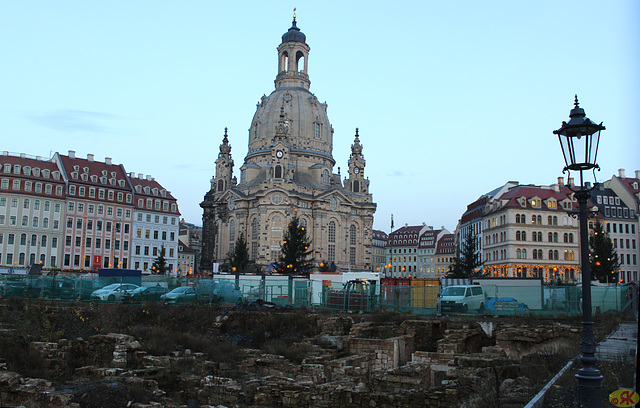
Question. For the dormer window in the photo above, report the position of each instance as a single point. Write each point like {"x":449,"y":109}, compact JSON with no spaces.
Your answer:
{"x":36,"y":172}
{"x":634,"y":185}
{"x":146,"y":190}
{"x":113,"y":174}
{"x":112,"y":181}
{"x":121,"y":183}
{"x":7,"y":168}
{"x":94,"y":178}
{"x":103,"y":180}
{"x":27,"y":171}
{"x":85,"y":177}
{"x":76,"y":168}
{"x":138,"y":189}
{"x":56,"y":175}
{"x":155,"y":191}
{"x":85,"y":169}
{"x":104,"y":173}
{"x":45,"y":173}
{"x":74,"y":175}
{"x":16,"y":169}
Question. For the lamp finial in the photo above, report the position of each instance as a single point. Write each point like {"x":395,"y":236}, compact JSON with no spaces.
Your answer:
{"x":575,"y":102}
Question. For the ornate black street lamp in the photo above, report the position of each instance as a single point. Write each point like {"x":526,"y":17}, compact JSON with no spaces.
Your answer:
{"x":579,"y":139}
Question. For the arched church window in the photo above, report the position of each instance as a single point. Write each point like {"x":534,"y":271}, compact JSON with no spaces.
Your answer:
{"x":276,"y":237}
{"x":299,"y":61}
{"x":303,"y":222}
{"x":325,"y":176}
{"x":332,"y":231}
{"x":317,"y":127}
{"x":352,"y":235}
{"x":220,"y":185}
{"x":232,"y":234}
{"x":254,"y":229}
{"x":356,"y":186}
{"x":278,"y":172}
{"x":284,"y":61}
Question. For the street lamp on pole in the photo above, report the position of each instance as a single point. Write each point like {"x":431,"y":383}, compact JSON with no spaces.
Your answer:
{"x":579,"y":140}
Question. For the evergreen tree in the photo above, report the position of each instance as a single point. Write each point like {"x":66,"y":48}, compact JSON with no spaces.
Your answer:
{"x":603,"y":258}
{"x":466,"y":262}
{"x":160,"y":263}
{"x":239,"y":255}
{"x":295,"y":250}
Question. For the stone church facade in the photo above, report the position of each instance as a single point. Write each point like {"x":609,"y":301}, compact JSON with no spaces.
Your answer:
{"x":289,"y":171}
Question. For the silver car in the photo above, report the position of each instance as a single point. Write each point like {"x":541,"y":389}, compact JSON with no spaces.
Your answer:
{"x":113,"y":292}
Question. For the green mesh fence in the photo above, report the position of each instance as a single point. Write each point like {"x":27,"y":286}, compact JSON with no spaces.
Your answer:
{"x":353,"y":296}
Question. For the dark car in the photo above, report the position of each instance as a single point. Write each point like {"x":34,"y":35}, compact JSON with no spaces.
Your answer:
{"x":13,"y":288}
{"x":28,"y":287}
{"x":85,"y":287}
{"x":144,"y":294}
{"x":51,"y":287}
{"x":181,"y":295}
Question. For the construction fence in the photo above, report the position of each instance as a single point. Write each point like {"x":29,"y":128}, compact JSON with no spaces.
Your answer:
{"x":417,"y":297}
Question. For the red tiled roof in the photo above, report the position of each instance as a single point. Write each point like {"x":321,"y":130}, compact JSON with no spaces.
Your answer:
{"x":446,"y":244}
{"x":35,"y":165}
{"x":428,"y":239}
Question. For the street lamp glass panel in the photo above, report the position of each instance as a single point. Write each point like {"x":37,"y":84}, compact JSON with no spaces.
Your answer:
{"x":579,"y":139}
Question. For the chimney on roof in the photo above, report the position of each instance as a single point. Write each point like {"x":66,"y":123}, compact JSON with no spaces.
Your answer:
{"x":38,"y":158}
{"x":148,"y":177}
{"x":570,"y":182}
{"x":5,"y":153}
{"x":638,"y":174}
{"x":72,"y":154}
{"x":561,"y":181}
{"x":621,"y":173}
{"x":23,"y":155}
{"x":107,"y":161}
{"x":90,"y":157}
{"x":132,"y":174}
{"x":140,"y":176}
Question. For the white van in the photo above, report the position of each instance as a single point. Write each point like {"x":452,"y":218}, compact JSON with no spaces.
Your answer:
{"x":462,"y":298}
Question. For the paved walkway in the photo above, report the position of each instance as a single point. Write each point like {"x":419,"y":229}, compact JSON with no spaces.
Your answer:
{"x":621,"y":344}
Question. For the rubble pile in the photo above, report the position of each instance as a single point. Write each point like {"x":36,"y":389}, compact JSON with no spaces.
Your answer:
{"x":429,"y":363}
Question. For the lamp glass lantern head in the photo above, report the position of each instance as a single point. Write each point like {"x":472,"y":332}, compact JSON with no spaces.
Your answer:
{"x":579,"y":139}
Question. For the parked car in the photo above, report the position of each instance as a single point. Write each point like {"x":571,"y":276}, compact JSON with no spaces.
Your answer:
{"x":113,"y":292}
{"x":144,"y":294}
{"x":85,"y":287}
{"x":14,"y":288}
{"x":27,"y":287}
{"x":52,"y":287}
{"x":462,"y":298}
{"x":181,"y":295}
{"x":216,"y":292}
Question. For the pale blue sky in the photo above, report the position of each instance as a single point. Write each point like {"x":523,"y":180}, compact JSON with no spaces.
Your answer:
{"x":452,"y":98}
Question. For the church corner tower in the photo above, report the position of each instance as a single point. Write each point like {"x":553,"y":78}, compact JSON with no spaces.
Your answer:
{"x":289,"y":168}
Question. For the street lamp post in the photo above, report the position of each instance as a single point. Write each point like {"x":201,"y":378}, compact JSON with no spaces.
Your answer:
{"x":579,"y":140}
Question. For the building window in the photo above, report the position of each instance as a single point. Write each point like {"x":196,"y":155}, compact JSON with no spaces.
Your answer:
{"x":325,"y":176}
{"x":332,"y":231}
